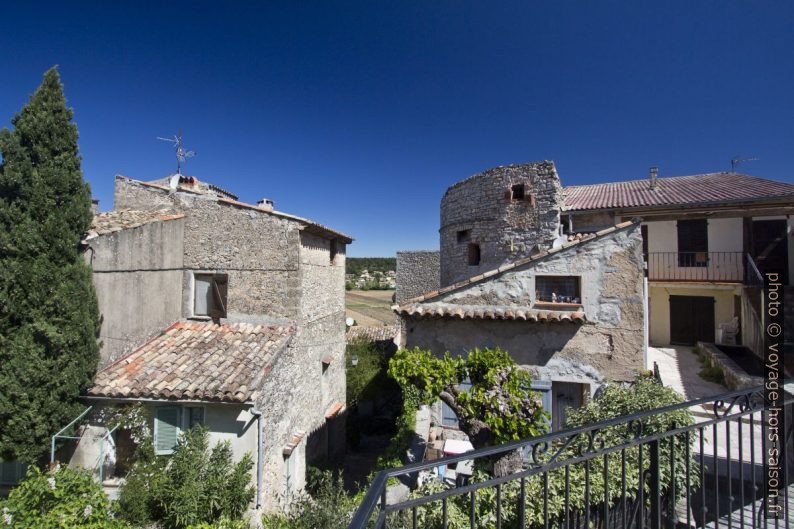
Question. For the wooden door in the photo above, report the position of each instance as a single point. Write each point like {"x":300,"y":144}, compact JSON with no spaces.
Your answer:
{"x":691,"y":319}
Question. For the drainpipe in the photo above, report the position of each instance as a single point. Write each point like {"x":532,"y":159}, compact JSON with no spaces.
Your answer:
{"x":646,"y":335}
{"x":259,"y":452}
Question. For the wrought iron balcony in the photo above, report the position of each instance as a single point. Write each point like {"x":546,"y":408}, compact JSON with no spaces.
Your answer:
{"x":620,"y":473}
{"x":725,"y":267}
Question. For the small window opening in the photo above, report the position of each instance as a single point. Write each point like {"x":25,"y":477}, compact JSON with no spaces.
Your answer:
{"x":557,"y":289}
{"x":464,"y":235}
{"x":334,"y":250}
{"x":518,"y":192}
{"x":210,"y":295}
{"x":194,"y":416}
{"x":474,"y":254}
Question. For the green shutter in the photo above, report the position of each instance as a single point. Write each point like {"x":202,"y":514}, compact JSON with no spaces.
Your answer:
{"x":166,"y":430}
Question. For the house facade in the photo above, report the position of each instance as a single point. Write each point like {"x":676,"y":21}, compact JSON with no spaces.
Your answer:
{"x":571,"y":311}
{"x":225,"y":314}
{"x":706,"y":239}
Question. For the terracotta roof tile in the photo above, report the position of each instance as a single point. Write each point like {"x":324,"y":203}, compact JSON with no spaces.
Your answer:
{"x":196,"y":361}
{"x":711,"y":188}
{"x":476,"y":312}
{"x":112,"y":221}
{"x":372,"y":334}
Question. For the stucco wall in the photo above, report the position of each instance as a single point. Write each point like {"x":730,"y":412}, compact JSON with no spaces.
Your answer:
{"x":611,"y":341}
{"x":505,"y":229}
{"x":418,"y":272}
{"x":138,"y":281}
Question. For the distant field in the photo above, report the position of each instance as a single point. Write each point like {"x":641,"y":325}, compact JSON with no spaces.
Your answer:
{"x":370,"y":308}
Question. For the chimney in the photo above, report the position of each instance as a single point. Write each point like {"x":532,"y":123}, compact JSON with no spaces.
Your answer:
{"x":265,"y":203}
{"x":94,"y":206}
{"x":653,"y":176}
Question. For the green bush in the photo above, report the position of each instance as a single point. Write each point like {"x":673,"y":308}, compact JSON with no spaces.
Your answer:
{"x":223,"y":523}
{"x":65,"y":498}
{"x":195,"y":486}
{"x":329,"y":508}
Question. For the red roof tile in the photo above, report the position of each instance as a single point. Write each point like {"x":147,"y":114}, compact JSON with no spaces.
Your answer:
{"x":708,"y":188}
{"x":196,"y":361}
{"x":474,"y":312}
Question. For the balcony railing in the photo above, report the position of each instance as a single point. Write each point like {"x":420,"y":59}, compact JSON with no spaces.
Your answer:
{"x":621,"y":473}
{"x":725,"y":267}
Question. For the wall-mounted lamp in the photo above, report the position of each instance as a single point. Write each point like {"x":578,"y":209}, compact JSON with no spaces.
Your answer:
{"x":354,"y":360}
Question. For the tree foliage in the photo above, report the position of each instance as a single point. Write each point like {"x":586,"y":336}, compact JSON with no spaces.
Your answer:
{"x":57,"y":499}
{"x":355,"y":265}
{"x":49,"y":319}
{"x":499,"y":407}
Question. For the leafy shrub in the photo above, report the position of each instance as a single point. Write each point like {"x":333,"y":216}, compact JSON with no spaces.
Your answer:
{"x":53,"y":500}
{"x":223,"y":523}
{"x":329,"y":507}
{"x":196,"y":486}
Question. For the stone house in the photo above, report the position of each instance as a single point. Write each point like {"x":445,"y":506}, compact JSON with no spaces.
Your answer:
{"x":571,"y":311}
{"x":221,"y":313}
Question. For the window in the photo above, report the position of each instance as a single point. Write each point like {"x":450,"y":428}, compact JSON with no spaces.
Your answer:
{"x":693,"y":242}
{"x":334,"y":250}
{"x":11,"y":472}
{"x":448,"y":417}
{"x":166,"y":429}
{"x":557,"y":289}
{"x":289,"y":474}
{"x":464,"y":236}
{"x":474,"y":254}
{"x":210,"y":295}
{"x":518,"y":192}
{"x":194,"y":416}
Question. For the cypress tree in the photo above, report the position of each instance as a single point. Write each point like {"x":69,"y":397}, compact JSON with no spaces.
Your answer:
{"x":49,"y":320}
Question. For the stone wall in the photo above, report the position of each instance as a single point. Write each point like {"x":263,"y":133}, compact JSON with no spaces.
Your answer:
{"x":610,"y":342}
{"x":483,"y":210}
{"x":138,"y":281}
{"x":418,"y":272}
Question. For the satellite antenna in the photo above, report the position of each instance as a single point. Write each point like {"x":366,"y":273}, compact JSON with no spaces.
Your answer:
{"x":736,"y":161}
{"x":181,"y":153}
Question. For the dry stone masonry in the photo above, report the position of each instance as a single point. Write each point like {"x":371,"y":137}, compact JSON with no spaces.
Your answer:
{"x":496,"y":216}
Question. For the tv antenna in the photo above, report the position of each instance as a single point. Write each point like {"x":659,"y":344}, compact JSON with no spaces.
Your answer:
{"x":181,"y":153}
{"x":736,"y":161}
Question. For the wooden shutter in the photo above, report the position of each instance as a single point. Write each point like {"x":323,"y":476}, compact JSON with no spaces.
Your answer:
{"x":220,"y":289}
{"x":166,"y":430}
{"x":693,"y":242}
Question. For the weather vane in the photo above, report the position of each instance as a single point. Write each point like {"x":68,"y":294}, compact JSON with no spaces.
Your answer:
{"x":181,"y":153}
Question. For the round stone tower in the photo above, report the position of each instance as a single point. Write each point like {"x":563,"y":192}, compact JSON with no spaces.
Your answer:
{"x":497,"y":216}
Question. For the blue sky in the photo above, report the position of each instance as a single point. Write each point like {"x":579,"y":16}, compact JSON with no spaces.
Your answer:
{"x":360,"y":114}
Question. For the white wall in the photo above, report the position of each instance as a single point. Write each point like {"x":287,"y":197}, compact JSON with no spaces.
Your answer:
{"x":725,"y":235}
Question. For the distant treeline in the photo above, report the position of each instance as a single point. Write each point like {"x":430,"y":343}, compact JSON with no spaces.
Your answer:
{"x":382,"y":264}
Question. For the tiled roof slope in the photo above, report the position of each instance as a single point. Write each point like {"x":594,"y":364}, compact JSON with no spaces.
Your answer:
{"x":110,"y":221}
{"x":196,"y":361}
{"x":372,"y":334}
{"x":708,"y":188}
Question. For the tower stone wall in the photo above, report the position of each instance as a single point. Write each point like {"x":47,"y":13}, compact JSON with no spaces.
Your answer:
{"x":497,"y":216}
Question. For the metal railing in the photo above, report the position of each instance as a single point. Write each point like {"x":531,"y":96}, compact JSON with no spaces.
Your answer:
{"x":621,"y":473}
{"x":696,"y":266}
